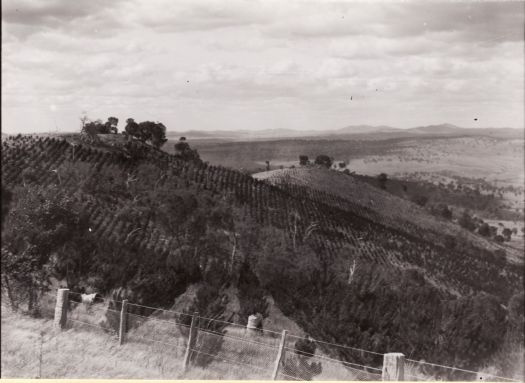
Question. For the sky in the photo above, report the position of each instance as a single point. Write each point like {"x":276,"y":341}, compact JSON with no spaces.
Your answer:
{"x":253,"y":65}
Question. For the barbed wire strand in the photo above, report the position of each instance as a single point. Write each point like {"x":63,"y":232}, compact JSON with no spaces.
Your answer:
{"x":102,"y":299}
{"x":93,"y":325}
{"x":100,"y":310}
{"x":239,"y":325}
{"x":159,"y":309}
{"x":161,"y":342}
{"x":462,"y":369}
{"x":159,"y":320}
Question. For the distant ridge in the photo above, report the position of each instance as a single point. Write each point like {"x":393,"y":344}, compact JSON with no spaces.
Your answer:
{"x":360,"y":132}
{"x":351,"y":132}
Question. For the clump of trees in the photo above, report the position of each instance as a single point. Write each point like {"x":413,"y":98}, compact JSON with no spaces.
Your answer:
{"x":323,"y":160}
{"x":99,"y":127}
{"x":41,"y":227}
{"x":147,"y":131}
{"x":185,"y":152}
{"x":442,"y":210}
{"x":420,"y":199}
{"x":303,"y":160}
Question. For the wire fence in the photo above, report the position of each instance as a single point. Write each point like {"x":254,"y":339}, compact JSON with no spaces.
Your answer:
{"x":231,"y":349}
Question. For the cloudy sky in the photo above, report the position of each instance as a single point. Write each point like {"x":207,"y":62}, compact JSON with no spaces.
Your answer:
{"x":202,"y":64}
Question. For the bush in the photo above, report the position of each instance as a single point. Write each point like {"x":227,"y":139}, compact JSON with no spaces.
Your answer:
{"x":303,"y":160}
{"x":484,"y":230}
{"x":323,"y":160}
{"x":421,"y":200}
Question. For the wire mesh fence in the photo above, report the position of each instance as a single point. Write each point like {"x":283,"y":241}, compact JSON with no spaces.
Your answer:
{"x":426,"y":371}
{"x":96,"y":316}
{"x":254,"y":351}
{"x":309,"y":359}
{"x":233,"y":350}
{"x":47,"y":306}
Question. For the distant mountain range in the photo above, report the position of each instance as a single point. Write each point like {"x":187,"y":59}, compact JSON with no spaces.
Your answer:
{"x":364,"y":132}
{"x":350,"y":132}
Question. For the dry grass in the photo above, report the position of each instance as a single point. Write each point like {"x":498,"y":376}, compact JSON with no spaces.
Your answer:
{"x":32,"y":348}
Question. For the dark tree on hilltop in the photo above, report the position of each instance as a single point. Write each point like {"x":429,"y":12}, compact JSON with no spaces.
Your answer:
{"x":303,"y":160}
{"x":154,"y":132}
{"x":98,"y":127}
{"x":382,"y":178}
{"x":132,"y":128}
{"x":111,"y":125}
{"x":323,"y":160}
{"x":185,"y":152}
{"x":158,"y":135}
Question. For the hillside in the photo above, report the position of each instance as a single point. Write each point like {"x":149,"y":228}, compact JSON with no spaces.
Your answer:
{"x":358,"y":197}
{"x":145,"y":225}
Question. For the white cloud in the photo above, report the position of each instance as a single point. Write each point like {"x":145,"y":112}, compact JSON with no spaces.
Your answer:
{"x":216,"y":64}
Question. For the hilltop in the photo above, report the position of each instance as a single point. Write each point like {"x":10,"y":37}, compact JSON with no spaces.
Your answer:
{"x":146,"y":225}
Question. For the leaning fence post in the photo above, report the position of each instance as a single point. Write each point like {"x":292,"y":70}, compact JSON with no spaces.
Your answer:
{"x":61,"y":308}
{"x":280,"y":355}
{"x":194,"y":328}
{"x":393,"y":366}
{"x":123,"y":322}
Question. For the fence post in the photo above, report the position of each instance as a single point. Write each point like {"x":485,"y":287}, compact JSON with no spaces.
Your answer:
{"x":393,"y":366}
{"x":61,"y":308}
{"x":123,"y":322}
{"x":194,"y":329}
{"x":280,"y":356}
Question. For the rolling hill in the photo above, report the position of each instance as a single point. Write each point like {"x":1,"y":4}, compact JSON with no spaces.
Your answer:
{"x":150,"y":224}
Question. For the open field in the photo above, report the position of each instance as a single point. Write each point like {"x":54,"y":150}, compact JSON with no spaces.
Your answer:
{"x":497,"y":161}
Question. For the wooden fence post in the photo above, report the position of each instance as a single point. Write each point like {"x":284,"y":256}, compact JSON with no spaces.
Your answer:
{"x":393,"y":367}
{"x":280,"y":356}
{"x":194,"y":329}
{"x":61,"y":308}
{"x":123,"y":322}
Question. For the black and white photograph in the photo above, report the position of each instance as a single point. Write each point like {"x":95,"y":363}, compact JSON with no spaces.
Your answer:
{"x":263,"y":190}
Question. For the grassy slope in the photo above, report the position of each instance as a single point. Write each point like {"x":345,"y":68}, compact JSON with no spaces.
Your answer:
{"x":32,"y":348}
{"x":93,"y":354}
{"x":394,"y":211}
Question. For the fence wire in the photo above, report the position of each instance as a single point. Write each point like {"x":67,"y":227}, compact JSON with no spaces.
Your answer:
{"x":421,"y":370}
{"x":226,"y":349}
{"x":96,"y":317}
